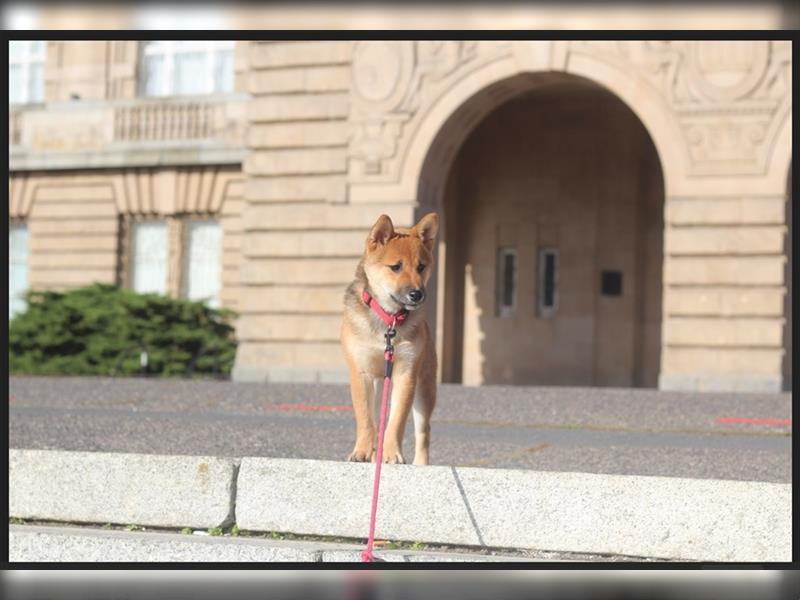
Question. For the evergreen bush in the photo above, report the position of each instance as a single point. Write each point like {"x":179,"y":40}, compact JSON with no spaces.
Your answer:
{"x":102,"y":329}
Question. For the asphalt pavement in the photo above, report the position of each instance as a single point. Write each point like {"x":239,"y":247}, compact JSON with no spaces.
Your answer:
{"x":594,"y":430}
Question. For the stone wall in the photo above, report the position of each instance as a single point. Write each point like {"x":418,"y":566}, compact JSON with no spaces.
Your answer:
{"x":74,"y":220}
{"x":302,"y":237}
{"x":724,"y":289}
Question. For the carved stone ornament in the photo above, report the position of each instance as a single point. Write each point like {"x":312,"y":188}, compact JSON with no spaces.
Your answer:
{"x":391,"y":80}
{"x":435,"y":60}
{"x":375,"y":140}
{"x":727,"y":70}
{"x":728,"y":98}
{"x":381,"y":72}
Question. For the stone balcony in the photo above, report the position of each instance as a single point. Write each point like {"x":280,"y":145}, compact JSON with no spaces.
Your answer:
{"x":144,"y":132}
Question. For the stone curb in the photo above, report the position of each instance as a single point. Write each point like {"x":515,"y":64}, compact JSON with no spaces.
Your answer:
{"x":30,"y":543}
{"x":660,"y":517}
{"x":654,"y":517}
{"x":145,"y":489}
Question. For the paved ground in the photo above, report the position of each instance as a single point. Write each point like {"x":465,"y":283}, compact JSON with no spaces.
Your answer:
{"x":598,"y":430}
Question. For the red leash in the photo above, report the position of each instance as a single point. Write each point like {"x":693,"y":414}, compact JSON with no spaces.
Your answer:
{"x":388,"y":355}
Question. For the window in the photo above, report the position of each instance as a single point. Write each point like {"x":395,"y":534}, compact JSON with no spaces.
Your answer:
{"x":17,"y":269}
{"x":25,"y":71}
{"x":548,"y":282}
{"x":506,"y":281}
{"x":177,"y":256}
{"x":202,"y":264}
{"x":173,"y":68}
{"x":150,"y":252}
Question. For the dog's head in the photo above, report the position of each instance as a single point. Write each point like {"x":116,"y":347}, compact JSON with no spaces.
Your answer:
{"x":398,"y":262}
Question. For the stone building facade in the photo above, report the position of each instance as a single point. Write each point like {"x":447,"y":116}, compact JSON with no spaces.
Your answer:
{"x":614,"y":213}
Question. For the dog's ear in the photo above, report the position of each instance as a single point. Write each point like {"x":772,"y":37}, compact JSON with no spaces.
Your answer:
{"x":380,"y":232}
{"x":427,"y":228}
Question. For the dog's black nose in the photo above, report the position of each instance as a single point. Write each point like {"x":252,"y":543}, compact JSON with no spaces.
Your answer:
{"x":416,"y":295}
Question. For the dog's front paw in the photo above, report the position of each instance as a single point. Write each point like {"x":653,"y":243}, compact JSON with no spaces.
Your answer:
{"x":394,"y":459}
{"x":392,"y":455}
{"x":361,"y":455}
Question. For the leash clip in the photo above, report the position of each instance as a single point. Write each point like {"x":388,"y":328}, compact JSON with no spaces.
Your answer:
{"x":390,"y":333}
{"x":388,"y":352}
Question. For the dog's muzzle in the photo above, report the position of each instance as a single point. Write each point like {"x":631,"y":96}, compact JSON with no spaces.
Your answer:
{"x":414,"y":298}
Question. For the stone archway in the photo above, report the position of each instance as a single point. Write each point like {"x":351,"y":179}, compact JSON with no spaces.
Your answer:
{"x":432,"y":138}
{"x":590,"y":339}
{"x":718,"y":116}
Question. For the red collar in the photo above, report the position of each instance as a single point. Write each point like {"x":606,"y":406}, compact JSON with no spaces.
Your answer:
{"x":398,"y":318}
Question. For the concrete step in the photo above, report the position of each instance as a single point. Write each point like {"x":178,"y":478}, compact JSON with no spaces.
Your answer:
{"x":100,"y":487}
{"x":654,"y":517}
{"x":33,"y":543}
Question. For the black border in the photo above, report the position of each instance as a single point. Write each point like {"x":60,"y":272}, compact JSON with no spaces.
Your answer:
{"x":322,"y":35}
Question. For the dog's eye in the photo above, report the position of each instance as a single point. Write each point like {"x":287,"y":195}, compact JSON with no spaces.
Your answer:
{"x":396,"y":268}
{"x":420,"y":268}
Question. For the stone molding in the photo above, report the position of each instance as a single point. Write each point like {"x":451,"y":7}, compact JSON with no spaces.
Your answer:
{"x":122,"y":133}
{"x":685,"y":92}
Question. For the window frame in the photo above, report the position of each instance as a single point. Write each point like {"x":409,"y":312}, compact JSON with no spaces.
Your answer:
{"x":130,"y":245}
{"x":27,"y":61}
{"x":546,"y":311}
{"x":177,"y":252}
{"x":503,"y":309}
{"x":170,"y":49}
{"x":186,"y":222}
{"x":19,"y":225}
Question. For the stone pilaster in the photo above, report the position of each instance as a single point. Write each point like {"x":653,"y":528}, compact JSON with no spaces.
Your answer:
{"x":299,"y":239}
{"x":723,"y":293}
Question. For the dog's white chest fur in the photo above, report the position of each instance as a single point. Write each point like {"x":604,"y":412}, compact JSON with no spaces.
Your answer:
{"x":370,"y":356}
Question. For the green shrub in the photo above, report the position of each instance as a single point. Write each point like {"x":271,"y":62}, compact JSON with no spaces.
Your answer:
{"x":101,"y":330}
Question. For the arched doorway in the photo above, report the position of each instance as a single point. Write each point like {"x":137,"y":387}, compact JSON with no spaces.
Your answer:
{"x":551,"y":255}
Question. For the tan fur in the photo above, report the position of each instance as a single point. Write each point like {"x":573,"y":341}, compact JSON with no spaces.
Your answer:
{"x":414,"y":371}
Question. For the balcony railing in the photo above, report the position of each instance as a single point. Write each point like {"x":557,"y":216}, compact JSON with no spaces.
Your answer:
{"x":153,"y":121}
{"x":136,"y":132}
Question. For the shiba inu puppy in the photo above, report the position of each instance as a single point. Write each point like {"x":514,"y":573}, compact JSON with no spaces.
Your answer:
{"x":390,"y":283}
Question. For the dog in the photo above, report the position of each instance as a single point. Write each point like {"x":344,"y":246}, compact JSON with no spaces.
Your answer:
{"x":391,"y":277}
